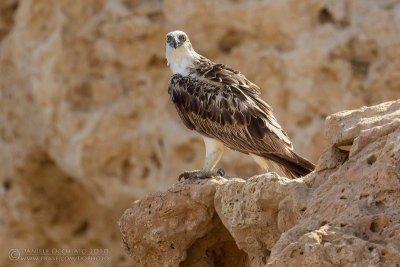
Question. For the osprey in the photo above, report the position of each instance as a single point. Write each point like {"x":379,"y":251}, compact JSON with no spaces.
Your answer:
{"x":225,"y":107}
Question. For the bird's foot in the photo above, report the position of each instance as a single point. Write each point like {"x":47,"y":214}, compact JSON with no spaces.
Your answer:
{"x":201,"y":174}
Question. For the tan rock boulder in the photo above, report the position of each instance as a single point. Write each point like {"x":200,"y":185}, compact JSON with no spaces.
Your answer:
{"x":345,"y":213}
{"x":343,"y":128}
{"x":258,"y":210}
{"x":179,"y":226}
{"x":353,"y":217}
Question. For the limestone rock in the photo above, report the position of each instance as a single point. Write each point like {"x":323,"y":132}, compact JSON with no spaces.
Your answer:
{"x":345,"y":213}
{"x":258,"y":210}
{"x":180,"y":225}
{"x":353,"y":216}
{"x":342,"y":128}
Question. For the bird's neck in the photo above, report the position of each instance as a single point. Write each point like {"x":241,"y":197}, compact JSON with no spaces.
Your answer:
{"x":181,"y":60}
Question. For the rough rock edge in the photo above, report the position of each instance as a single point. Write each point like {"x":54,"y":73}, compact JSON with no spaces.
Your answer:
{"x":345,"y":212}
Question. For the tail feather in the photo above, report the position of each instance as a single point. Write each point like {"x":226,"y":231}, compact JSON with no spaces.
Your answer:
{"x":294,"y":166}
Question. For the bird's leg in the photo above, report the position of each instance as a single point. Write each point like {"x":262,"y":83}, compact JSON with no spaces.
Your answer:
{"x":214,"y":149}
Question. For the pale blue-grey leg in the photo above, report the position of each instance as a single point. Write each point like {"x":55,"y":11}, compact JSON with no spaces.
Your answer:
{"x":214,"y":150}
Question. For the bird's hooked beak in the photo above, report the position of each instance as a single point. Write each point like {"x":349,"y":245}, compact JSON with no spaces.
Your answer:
{"x":175,"y":43}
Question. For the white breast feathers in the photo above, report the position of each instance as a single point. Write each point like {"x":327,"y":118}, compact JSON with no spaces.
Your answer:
{"x":180,"y":60}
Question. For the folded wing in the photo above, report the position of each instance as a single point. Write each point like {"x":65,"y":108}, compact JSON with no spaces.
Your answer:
{"x":238,"y":118}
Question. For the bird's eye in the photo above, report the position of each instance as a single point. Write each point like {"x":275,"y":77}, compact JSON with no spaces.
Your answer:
{"x":169,"y":39}
{"x":182,"y":38}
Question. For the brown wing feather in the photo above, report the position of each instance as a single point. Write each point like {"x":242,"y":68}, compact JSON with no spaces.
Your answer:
{"x":227,"y":114}
{"x":221,"y":74}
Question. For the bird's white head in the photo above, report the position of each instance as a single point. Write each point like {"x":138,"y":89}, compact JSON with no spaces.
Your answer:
{"x":179,"y":52}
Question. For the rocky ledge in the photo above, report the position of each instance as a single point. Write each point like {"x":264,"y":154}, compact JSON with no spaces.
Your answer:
{"x":345,"y":213}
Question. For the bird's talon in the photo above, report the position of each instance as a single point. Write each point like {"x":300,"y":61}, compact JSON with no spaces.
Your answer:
{"x":184,"y":175}
{"x":188,"y":175}
{"x":221,"y":172}
{"x":201,"y":174}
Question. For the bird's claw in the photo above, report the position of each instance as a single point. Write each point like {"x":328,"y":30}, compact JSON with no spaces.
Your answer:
{"x":183,"y":175}
{"x":190,"y":175}
{"x":201,"y":174}
{"x":221,"y":172}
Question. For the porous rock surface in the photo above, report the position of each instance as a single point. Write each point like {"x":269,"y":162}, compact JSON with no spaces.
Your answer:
{"x":345,"y":213}
{"x":86,"y":125}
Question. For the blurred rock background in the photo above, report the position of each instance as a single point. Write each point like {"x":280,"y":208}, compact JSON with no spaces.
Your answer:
{"x":86,"y":125}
